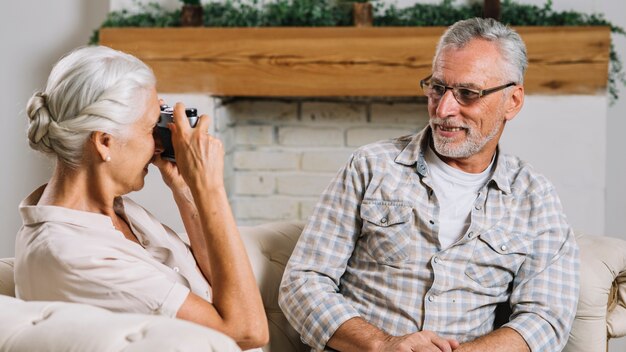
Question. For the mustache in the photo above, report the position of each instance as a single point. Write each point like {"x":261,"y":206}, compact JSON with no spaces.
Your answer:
{"x":448,"y":123}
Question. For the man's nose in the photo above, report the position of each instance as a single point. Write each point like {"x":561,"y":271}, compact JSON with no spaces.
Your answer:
{"x":448,"y":105}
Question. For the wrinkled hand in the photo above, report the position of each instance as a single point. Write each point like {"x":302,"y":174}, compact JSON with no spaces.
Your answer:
{"x":199,"y":156}
{"x":421,"y":341}
{"x":170,"y":173}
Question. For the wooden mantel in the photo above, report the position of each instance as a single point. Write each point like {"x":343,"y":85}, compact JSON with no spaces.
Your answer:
{"x":344,"y":61}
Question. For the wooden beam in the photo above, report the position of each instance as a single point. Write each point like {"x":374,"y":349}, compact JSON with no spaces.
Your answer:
{"x":344,"y":61}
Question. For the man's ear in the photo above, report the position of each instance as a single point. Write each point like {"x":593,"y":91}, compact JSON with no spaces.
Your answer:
{"x":514,"y":102}
{"x":101,"y":142}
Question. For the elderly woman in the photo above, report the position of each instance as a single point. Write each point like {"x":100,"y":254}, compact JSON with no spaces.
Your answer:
{"x":83,"y":241}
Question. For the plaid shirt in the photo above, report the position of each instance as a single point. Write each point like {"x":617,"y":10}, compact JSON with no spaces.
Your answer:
{"x":371,"y":250}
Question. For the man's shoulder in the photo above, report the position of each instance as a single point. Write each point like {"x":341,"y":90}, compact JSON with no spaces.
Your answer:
{"x":524,"y":179}
{"x":389,"y":148}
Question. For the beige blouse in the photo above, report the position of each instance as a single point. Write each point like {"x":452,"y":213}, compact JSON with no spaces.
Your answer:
{"x":68,"y":255}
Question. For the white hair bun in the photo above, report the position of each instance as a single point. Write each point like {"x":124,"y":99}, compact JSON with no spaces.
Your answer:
{"x":39,"y":126}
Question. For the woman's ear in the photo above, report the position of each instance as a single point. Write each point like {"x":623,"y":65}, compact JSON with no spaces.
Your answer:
{"x":102,"y":144}
{"x":514,"y":102}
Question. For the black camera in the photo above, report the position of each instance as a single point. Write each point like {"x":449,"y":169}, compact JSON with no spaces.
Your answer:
{"x":167,"y":116}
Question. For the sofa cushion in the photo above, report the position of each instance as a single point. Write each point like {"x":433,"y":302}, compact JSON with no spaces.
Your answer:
{"x":61,"y":326}
{"x":269,"y":247}
{"x":603,"y":266}
{"x":7,"y":283}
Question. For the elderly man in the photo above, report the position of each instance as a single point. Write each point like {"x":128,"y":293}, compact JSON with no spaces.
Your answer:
{"x":419,"y":238}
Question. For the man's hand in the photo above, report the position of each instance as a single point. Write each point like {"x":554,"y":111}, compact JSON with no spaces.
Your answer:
{"x":500,"y":340}
{"x":421,"y":341}
{"x":356,"y":334}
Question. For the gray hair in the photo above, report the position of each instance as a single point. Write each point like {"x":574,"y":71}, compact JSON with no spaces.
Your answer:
{"x":91,"y":89}
{"x":510,"y":44}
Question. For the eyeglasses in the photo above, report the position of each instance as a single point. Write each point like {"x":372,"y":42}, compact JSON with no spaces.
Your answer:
{"x":465,"y":96}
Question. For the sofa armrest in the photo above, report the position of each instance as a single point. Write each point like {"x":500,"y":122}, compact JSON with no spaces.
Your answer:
{"x":269,"y":247}
{"x":7,"y":282}
{"x":601,"y":311}
{"x":62,"y":326}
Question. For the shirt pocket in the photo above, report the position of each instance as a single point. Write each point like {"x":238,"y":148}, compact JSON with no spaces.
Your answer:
{"x":387,"y":230}
{"x":497,"y":257}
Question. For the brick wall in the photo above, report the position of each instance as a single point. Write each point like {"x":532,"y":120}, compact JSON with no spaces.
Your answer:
{"x":281,"y":154}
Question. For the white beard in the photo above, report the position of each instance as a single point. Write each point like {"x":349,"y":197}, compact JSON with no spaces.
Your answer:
{"x":473,"y":143}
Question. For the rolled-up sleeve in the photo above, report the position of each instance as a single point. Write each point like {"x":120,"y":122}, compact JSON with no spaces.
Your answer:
{"x":545,"y":290}
{"x":309,"y":293}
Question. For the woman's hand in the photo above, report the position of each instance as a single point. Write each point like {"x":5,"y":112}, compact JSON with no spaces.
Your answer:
{"x":170,"y":174}
{"x":199,"y":156}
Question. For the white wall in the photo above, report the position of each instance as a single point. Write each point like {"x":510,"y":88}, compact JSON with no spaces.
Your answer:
{"x":33,"y":35}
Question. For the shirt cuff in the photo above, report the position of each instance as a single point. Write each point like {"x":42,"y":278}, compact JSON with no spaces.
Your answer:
{"x":324,"y":320}
{"x":538,"y":333}
{"x":174,"y":300}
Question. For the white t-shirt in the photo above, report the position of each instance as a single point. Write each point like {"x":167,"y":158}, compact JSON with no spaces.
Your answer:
{"x":456,"y":192}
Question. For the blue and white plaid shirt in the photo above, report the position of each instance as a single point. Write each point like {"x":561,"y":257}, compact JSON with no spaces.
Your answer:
{"x":371,"y":250}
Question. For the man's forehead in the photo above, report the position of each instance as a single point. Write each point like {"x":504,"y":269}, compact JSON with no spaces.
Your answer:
{"x":467,"y":66}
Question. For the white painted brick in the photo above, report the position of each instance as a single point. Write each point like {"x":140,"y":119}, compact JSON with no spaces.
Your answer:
{"x":325,"y":160}
{"x":309,"y":136}
{"x":302,"y":184}
{"x":360,"y":136}
{"x":229,"y":173}
{"x":268,"y":208}
{"x":266,"y":160}
{"x":254,"y":135}
{"x":333,"y":112}
{"x":400,"y":113}
{"x":254,"y":184}
{"x":258,"y":111}
{"x":223,"y":121}
{"x":227,"y":137}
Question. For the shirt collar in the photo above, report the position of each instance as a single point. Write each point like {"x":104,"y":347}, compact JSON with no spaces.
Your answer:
{"x":33,"y":214}
{"x":413,"y":154}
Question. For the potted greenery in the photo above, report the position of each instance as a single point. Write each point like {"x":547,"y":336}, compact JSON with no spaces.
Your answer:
{"x":191,"y":13}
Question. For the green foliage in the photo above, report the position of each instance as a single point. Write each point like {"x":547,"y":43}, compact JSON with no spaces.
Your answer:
{"x":281,"y":13}
{"x":151,"y":15}
{"x":443,"y":14}
{"x":315,"y":13}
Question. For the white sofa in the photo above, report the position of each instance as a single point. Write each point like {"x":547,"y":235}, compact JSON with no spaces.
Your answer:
{"x":56,"y":326}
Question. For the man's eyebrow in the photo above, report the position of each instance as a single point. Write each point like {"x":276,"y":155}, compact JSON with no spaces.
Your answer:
{"x":468,"y":85}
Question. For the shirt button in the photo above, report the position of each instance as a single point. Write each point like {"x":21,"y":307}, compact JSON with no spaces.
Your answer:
{"x":176,"y":269}
{"x":146,"y":242}
{"x":436,"y":260}
{"x":471,"y":234}
{"x":478,"y":207}
{"x":431,"y":298}
{"x":383,"y":220}
{"x":504,"y":247}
